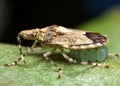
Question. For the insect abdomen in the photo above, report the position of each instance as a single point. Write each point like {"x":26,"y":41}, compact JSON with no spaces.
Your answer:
{"x":90,"y":55}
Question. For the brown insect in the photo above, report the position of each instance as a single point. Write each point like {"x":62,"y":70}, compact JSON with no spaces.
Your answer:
{"x":60,"y":37}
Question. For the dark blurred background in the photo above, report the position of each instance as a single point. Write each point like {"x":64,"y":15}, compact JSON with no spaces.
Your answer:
{"x":17,"y":15}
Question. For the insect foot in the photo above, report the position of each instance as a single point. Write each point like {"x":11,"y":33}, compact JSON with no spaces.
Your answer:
{"x":113,"y":55}
{"x":85,"y":47}
{"x":99,"y":65}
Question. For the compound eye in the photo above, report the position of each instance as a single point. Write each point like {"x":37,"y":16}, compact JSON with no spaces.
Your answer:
{"x":33,"y":34}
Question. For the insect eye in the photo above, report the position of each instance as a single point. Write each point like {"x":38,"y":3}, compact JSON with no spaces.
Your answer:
{"x":34,"y":34}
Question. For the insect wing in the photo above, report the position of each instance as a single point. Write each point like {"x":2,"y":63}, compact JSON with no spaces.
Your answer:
{"x":77,"y":39}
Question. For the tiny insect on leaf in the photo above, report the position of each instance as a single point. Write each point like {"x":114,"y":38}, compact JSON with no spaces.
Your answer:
{"x":85,"y":47}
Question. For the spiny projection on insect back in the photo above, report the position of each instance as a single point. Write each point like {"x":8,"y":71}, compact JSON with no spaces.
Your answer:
{"x":85,"y":47}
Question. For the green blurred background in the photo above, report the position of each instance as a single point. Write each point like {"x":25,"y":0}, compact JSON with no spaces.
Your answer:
{"x":108,"y":24}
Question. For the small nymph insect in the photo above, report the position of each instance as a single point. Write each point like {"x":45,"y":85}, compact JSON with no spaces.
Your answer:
{"x":85,"y":47}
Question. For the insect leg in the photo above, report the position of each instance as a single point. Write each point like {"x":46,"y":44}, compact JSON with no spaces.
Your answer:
{"x":33,"y":47}
{"x":113,"y":55}
{"x":21,"y":53}
{"x":52,"y":62}
{"x":67,"y":57}
{"x":99,"y":65}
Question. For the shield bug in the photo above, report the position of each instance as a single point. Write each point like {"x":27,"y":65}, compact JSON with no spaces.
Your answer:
{"x":85,"y":47}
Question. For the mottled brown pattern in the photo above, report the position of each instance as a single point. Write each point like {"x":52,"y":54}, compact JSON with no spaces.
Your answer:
{"x":77,"y":39}
{"x":65,"y":37}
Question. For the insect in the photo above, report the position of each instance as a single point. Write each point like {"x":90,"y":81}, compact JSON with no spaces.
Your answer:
{"x":85,"y":47}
